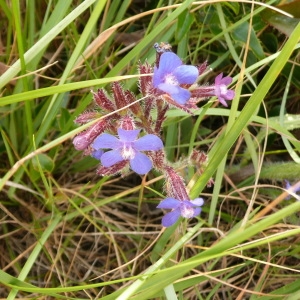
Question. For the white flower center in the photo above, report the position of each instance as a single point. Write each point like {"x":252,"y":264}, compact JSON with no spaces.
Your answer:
{"x":171,"y":79}
{"x":187,"y":212}
{"x":127,"y":151}
{"x":223,"y":89}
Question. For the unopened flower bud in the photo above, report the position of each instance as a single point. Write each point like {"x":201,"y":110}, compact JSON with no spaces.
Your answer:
{"x":175,"y":185}
{"x":127,"y":123}
{"x":84,"y":139}
{"x":119,"y":95}
{"x":86,"y":117}
{"x":80,"y":142}
{"x":102,"y":100}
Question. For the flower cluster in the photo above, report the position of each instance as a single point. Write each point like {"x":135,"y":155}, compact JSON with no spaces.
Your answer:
{"x":176,"y":80}
{"x":126,"y":134}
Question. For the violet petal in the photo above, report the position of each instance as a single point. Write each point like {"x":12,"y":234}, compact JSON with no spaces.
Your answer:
{"x":169,"y":88}
{"x":170,"y":218}
{"x":177,"y":93}
{"x":158,"y":77}
{"x":186,"y":74}
{"x":169,"y":203}
{"x":218,"y":79}
{"x":106,"y":141}
{"x":197,"y":211}
{"x":141,"y":163}
{"x":97,"y":154}
{"x":128,"y":135}
{"x":226,"y":80}
{"x":222,"y":101}
{"x":229,"y":95}
{"x":168,"y":62}
{"x":182,"y":97}
{"x":197,"y":202}
{"x":148,"y":142}
{"x":110,"y":158}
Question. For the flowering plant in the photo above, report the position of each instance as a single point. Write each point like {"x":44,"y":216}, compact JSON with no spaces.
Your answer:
{"x":113,"y":140}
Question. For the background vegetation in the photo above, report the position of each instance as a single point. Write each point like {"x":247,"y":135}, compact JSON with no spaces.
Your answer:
{"x":67,"y":233}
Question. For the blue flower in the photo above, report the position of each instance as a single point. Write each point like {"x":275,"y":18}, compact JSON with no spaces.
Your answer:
{"x":171,"y":73}
{"x":185,"y":208}
{"x":128,"y":148}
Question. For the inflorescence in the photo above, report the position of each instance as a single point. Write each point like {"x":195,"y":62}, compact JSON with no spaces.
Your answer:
{"x":130,"y":138}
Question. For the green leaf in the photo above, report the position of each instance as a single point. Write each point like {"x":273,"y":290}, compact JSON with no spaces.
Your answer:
{"x":283,"y":23}
{"x":240,"y":34}
{"x":185,"y":21}
{"x":234,"y":6}
{"x":270,"y":41}
{"x":65,"y":116}
{"x":44,"y":161}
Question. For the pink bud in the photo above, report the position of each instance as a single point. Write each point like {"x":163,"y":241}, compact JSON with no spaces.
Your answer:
{"x":127,"y":123}
{"x":135,"y":107}
{"x":198,"y":158}
{"x":119,"y":95}
{"x":201,"y":68}
{"x":80,"y":142}
{"x":103,"y":101}
{"x":199,"y":161}
{"x":86,"y":117}
{"x":108,"y":171}
{"x":175,"y":185}
{"x":145,"y":82}
{"x":84,"y":139}
{"x":158,"y":158}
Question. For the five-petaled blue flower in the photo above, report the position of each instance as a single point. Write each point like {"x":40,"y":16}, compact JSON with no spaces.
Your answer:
{"x":185,"y":208}
{"x":171,"y":73}
{"x":128,"y":147}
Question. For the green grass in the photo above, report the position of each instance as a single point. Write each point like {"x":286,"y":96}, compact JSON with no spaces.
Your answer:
{"x":67,"y":233}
